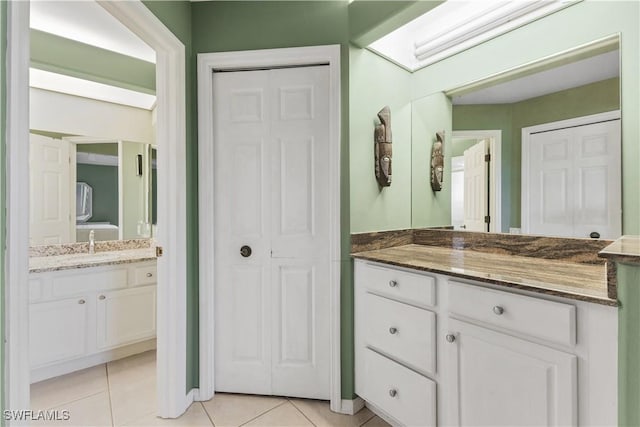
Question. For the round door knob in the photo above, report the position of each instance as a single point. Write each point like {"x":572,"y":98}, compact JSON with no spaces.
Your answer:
{"x":393,"y":330}
{"x":81,"y":301}
{"x":594,"y":235}
{"x":245,"y":251}
{"x":450,"y":338}
{"x":393,"y":392}
{"x":101,"y":297}
{"x":498,"y":310}
{"x":393,"y":283}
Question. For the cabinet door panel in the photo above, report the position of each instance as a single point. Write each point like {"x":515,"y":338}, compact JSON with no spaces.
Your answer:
{"x":126,"y":316}
{"x":499,"y":380}
{"x":57,"y":330}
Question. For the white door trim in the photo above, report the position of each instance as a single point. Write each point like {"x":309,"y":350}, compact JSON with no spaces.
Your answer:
{"x":526,"y":140}
{"x":173,"y":398}
{"x":495,"y":174}
{"x":207,"y":64}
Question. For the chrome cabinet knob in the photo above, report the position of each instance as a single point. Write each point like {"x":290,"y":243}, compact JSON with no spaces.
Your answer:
{"x":498,"y":310}
{"x":393,"y":283}
{"x":81,"y":301}
{"x":393,"y":330}
{"x":101,"y":297}
{"x":149,"y":274}
{"x":393,"y":392}
{"x":450,"y":338}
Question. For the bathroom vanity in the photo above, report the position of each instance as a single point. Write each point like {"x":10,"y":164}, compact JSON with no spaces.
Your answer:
{"x":86,"y":309}
{"x":459,"y":334}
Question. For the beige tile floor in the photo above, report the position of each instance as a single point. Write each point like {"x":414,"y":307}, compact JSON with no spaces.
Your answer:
{"x":123,"y":393}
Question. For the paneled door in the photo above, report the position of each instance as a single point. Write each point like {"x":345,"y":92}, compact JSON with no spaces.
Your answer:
{"x":476,"y":186}
{"x":50,"y":194}
{"x":272,"y":231}
{"x":575,"y":181}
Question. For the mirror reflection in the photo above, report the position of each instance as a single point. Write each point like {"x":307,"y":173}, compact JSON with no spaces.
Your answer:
{"x":107,"y":184}
{"x":535,"y":150}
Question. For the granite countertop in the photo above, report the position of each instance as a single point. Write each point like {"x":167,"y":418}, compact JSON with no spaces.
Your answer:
{"x":585,"y":282}
{"x":626,"y":249}
{"x":39,"y":264}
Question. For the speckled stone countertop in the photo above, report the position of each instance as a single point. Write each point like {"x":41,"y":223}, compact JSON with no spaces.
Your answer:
{"x":40,"y":264}
{"x":626,"y":250}
{"x":585,"y":282}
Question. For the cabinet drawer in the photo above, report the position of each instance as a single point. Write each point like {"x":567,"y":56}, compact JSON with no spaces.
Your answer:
{"x":405,"y":395}
{"x":404,"y":332}
{"x":144,"y":275}
{"x":547,"y":320}
{"x":90,"y":280}
{"x":399,"y":285}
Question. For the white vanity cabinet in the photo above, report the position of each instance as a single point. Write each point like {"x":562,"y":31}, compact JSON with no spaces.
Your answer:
{"x":480,"y":354}
{"x":87,"y":316}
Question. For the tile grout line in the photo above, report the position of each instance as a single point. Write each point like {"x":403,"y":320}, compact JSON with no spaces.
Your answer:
{"x":265,"y":412}
{"x":207,"y":414}
{"x":300,"y":410}
{"x":113,"y":422}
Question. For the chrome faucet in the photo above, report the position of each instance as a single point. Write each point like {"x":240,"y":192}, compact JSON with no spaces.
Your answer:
{"x":92,"y":241}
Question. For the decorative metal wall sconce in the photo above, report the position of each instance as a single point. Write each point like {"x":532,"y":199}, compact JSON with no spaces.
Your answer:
{"x":437,"y":162}
{"x":382,"y":148}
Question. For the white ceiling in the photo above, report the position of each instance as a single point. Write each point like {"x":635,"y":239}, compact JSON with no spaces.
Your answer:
{"x":579,"y":73}
{"x":87,"y":22}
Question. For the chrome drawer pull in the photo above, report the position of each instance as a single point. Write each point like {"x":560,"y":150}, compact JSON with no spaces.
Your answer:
{"x":450,"y":337}
{"x":498,"y":310}
{"x":393,"y":392}
{"x":393,"y":330}
{"x":393,"y":283}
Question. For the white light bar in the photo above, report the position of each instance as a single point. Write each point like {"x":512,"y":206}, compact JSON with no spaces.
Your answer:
{"x":88,"y":89}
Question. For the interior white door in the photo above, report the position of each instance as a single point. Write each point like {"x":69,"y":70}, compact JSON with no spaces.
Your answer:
{"x":50,"y":191}
{"x":575,"y":181}
{"x":476,"y":187}
{"x":271,"y":194}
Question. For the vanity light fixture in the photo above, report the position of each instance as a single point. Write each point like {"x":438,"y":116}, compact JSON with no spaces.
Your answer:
{"x":456,"y":25}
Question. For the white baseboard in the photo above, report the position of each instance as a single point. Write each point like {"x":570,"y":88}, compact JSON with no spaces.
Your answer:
{"x":351,"y":407}
{"x":55,"y":370}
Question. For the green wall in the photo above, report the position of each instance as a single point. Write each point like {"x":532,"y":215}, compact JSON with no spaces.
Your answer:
{"x":176,"y":15}
{"x":629,"y":345}
{"x":430,"y":208}
{"x":104,"y":182}
{"x":72,"y":58}
{"x":511,"y":118}
{"x":376,"y":82}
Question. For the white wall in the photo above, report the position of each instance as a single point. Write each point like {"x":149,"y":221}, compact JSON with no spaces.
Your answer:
{"x":68,"y":114}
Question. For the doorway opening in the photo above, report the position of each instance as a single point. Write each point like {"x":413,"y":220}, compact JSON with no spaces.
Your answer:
{"x":173,"y":398}
{"x":476,"y":181}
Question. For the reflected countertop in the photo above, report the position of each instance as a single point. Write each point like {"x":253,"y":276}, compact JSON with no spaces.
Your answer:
{"x":76,"y":255}
{"x":585,"y":282}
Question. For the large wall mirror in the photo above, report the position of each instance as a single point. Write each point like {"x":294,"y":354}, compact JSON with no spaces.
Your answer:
{"x":84,"y":184}
{"x":535,"y":149}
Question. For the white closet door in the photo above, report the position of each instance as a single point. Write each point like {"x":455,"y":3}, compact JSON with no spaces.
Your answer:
{"x":575,"y":182}
{"x":476,"y":200}
{"x":50,"y":191}
{"x":271,"y":194}
{"x":300,"y":231}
